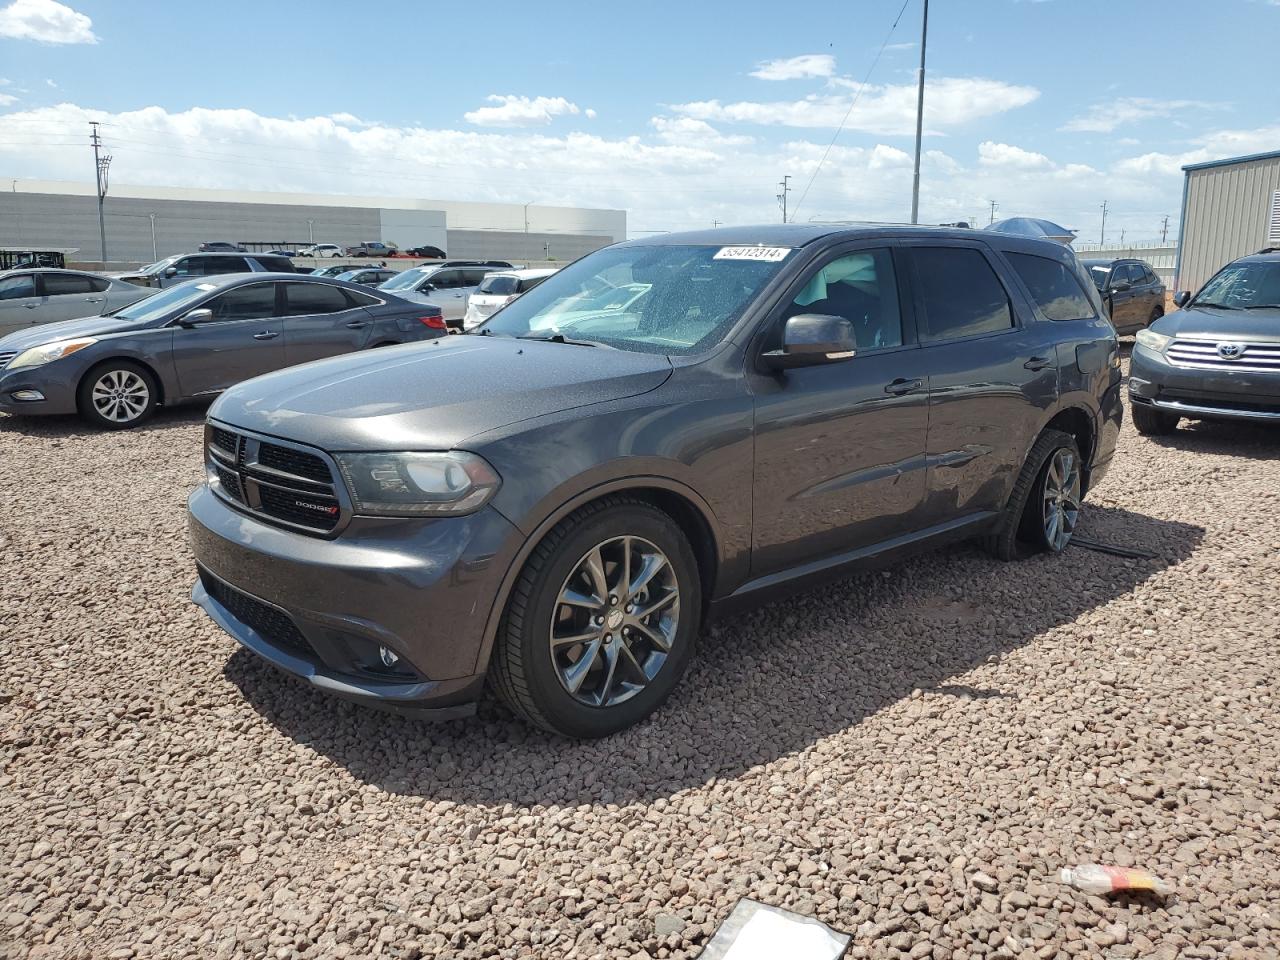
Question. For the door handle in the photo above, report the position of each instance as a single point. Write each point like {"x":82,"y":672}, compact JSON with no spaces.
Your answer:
{"x":31,"y":306}
{"x":93,"y":299}
{"x":357,"y":324}
{"x":266,"y":335}
{"x":902,"y":386}
{"x":1038,"y":363}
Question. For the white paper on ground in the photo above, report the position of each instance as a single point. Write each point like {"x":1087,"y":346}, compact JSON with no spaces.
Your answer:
{"x":754,"y":931}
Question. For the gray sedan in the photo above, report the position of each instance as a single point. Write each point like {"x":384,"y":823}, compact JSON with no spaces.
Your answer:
{"x":32,"y":296}
{"x":194,"y":341}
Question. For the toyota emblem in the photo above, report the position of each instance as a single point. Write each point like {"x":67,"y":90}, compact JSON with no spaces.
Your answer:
{"x":1230,"y":351}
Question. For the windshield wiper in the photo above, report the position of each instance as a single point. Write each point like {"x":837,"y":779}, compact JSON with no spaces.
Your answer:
{"x":1214,"y":306}
{"x":1263,"y":306}
{"x":561,"y":338}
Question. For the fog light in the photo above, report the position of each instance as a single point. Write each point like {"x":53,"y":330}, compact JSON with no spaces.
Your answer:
{"x":28,"y":395}
{"x":389,"y":658}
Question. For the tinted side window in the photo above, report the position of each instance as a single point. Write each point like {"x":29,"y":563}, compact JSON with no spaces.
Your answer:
{"x":473,"y":275}
{"x":15,"y":288}
{"x":216,"y":265}
{"x":304,"y":299}
{"x":257,"y":301}
{"x":61,"y":284}
{"x":861,"y":287}
{"x":960,"y":294}
{"x":276,"y":264}
{"x":445,"y":279}
{"x":359,"y":299}
{"x":98,"y":285}
{"x":190,"y":267}
{"x":530,"y":283}
{"x":1054,"y":288}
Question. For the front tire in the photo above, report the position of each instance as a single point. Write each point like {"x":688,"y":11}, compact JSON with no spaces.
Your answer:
{"x":1151,"y":422}
{"x":118,"y":395}
{"x":1044,"y":507}
{"x":601,"y":622}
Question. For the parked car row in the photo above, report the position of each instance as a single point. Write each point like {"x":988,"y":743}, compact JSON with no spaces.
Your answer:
{"x":182,"y":267}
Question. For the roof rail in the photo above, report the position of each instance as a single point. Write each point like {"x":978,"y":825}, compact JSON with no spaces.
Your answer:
{"x":1268,"y":250}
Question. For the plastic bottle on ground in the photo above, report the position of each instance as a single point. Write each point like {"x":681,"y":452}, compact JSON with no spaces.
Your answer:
{"x":1097,"y":879}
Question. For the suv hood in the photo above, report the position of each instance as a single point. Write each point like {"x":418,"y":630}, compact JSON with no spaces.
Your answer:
{"x":1263,"y":324}
{"x":433,"y":395}
{"x":65,"y":330}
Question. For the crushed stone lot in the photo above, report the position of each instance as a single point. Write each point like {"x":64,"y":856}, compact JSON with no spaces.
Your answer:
{"x":910,"y":756}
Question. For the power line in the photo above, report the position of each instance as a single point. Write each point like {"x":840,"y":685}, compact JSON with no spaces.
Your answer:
{"x":856,"y":97}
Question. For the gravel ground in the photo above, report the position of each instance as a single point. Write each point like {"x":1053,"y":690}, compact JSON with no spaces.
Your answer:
{"x":911,"y":756}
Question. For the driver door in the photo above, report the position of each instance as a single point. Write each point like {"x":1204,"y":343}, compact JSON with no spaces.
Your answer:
{"x":840,"y":447}
{"x":242,"y":340}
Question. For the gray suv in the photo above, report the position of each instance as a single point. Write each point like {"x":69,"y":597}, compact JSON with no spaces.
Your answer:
{"x":183,"y":267}
{"x":556,"y":501}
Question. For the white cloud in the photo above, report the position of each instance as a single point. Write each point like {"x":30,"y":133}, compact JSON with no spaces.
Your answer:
{"x":882,"y":110}
{"x":51,"y":83}
{"x":6,"y":99}
{"x":45,"y":21}
{"x":589,"y":113}
{"x":515,"y":111}
{"x":1111,"y":114}
{"x":1005,"y":155}
{"x":680,"y":172}
{"x":796,"y":68}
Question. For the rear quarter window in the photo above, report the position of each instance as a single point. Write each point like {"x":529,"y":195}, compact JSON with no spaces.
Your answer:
{"x":1055,"y":289}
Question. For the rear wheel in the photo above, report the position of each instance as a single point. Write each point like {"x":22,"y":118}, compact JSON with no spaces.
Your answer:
{"x":1044,"y":507}
{"x":1156,"y":314}
{"x":600,"y":626}
{"x":1151,"y":422}
{"x":117,"y":395}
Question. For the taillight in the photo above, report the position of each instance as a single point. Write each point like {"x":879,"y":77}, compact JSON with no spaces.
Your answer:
{"x":435,"y":321}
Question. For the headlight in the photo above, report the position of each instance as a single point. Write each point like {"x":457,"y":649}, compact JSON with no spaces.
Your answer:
{"x":1152,"y":340}
{"x":48,"y":352}
{"x":418,"y":484}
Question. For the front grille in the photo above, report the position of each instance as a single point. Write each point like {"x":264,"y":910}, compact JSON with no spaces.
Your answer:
{"x":274,"y":481}
{"x":275,"y":626}
{"x":6,"y":356}
{"x":295,"y":462}
{"x":1208,"y":355}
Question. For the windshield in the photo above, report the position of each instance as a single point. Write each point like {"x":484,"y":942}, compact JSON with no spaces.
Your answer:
{"x":154,"y":268}
{"x":404,"y":279}
{"x":154,"y":307}
{"x":1243,"y":286}
{"x":498,"y":285}
{"x":690,"y":297}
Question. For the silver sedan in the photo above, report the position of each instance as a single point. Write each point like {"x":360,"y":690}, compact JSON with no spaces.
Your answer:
{"x":34,"y":296}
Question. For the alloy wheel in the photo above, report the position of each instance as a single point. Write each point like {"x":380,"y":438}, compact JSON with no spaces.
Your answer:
{"x":615,"y":621}
{"x":120,"y":396}
{"x":1061,"y":498}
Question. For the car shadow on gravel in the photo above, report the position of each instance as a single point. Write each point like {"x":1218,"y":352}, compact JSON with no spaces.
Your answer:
{"x":763,"y":686}
{"x":165,"y":418}
{"x":1256,"y":441}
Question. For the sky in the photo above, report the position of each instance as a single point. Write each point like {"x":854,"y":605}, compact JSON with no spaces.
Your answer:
{"x":684,"y":114}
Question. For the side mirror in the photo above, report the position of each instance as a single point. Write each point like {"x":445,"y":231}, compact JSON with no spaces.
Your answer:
{"x":426,"y":287}
{"x":1182,"y":298}
{"x":170,"y":271}
{"x":194,"y":318}
{"x":810,"y":339}
{"x":1120,"y":286}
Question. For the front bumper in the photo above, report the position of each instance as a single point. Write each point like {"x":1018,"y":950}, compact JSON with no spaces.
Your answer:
{"x":1203,"y":394}
{"x":324,"y":610}
{"x":59,"y":394}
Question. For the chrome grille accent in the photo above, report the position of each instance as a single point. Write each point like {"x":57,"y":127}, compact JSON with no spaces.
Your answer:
{"x":6,"y":356}
{"x":1256,"y":356}
{"x":280,"y":482}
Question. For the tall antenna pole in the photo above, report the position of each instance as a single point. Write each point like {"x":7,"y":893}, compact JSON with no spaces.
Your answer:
{"x":783,"y":189}
{"x":994,"y":205}
{"x":1164,"y":230}
{"x":1102,"y":240}
{"x":100,"y":165}
{"x":915,"y":182}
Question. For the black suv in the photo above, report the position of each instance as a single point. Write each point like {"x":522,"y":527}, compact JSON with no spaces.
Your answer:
{"x":1133,"y":294}
{"x":557,"y":500}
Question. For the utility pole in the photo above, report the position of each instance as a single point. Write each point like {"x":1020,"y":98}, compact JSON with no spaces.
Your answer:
{"x":1164,"y":230}
{"x":784,"y":188}
{"x":1102,"y":239}
{"x":311,"y":231}
{"x":915,"y":182}
{"x":994,"y":207}
{"x":154,"y":257}
{"x":716,"y":223}
{"x":1122,"y":236}
{"x":100,"y":166}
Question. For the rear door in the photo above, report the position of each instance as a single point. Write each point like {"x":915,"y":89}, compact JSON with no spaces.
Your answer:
{"x":320,"y":320}
{"x":19,"y":302}
{"x":992,"y":370}
{"x":69,"y":296}
{"x":450,"y":293}
{"x":840,"y":447}
{"x":242,"y":340}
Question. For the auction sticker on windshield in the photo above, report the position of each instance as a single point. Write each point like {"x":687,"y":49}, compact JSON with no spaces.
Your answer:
{"x":766,"y":254}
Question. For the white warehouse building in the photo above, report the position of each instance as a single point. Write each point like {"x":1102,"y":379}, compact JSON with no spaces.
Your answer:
{"x":146,"y":223}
